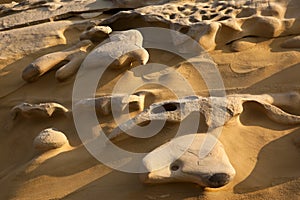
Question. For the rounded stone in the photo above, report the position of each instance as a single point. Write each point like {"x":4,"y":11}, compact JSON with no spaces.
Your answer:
{"x":50,"y":139}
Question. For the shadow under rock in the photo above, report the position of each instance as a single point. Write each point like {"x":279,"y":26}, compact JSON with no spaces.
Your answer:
{"x":119,"y":185}
{"x":253,"y":110}
{"x":66,"y":163}
{"x":278,"y":162}
{"x":285,"y":80}
{"x":276,"y":44}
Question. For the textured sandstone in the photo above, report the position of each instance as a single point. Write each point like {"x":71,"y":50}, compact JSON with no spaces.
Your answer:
{"x":50,"y":139}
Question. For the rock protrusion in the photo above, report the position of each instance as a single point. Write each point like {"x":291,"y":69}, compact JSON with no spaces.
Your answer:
{"x":50,"y":139}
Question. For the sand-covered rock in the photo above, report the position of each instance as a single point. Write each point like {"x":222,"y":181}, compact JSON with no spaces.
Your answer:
{"x":50,"y":139}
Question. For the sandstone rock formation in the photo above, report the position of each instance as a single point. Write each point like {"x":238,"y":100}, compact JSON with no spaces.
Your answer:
{"x":38,"y":110}
{"x":104,"y":104}
{"x":74,"y":56}
{"x":50,"y":139}
{"x":47,"y":11}
{"x":123,"y":49}
{"x":185,"y":165}
{"x":212,"y":23}
{"x":96,"y":33}
{"x":216,"y":110}
{"x":137,"y":3}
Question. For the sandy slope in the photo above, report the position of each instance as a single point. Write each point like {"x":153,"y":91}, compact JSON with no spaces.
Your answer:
{"x":265,"y":155}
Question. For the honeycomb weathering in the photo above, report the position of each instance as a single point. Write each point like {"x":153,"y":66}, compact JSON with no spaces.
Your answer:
{"x":215,"y":23}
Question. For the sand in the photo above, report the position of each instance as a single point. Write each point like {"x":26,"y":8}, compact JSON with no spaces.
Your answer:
{"x":265,"y":155}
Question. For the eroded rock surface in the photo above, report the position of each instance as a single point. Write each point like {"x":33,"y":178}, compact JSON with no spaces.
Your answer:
{"x":137,"y":3}
{"x":212,"y":23}
{"x":50,"y":139}
{"x":185,"y":164}
{"x":123,"y":49}
{"x":74,"y":56}
{"x":216,"y":110}
{"x":38,"y":110}
{"x":13,"y":17}
{"x":15,"y":43}
{"x":103,"y":105}
{"x":96,"y":33}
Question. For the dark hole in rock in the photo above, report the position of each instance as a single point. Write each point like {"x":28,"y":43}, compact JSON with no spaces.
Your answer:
{"x":214,"y":15}
{"x":194,"y":9}
{"x":224,"y":18}
{"x":205,"y":17}
{"x":185,"y":30}
{"x":174,"y":167}
{"x":222,"y":8}
{"x":180,"y":8}
{"x":173,"y":16}
{"x":203,"y":12}
{"x":166,"y":107}
{"x":228,"y":11}
{"x":193,"y":19}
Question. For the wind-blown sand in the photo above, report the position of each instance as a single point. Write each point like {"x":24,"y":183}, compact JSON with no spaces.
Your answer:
{"x":266,"y":155}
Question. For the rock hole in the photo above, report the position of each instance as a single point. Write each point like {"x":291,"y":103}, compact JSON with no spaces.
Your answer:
{"x":174,"y":167}
{"x":192,"y":19}
{"x":205,"y":17}
{"x":228,"y":11}
{"x":194,"y":9}
{"x":202,"y":12}
{"x":224,"y":18}
{"x":168,"y":107}
{"x":180,"y":8}
{"x":222,"y":8}
{"x":173,"y":16}
{"x":214,"y":15}
{"x":185,"y":30}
